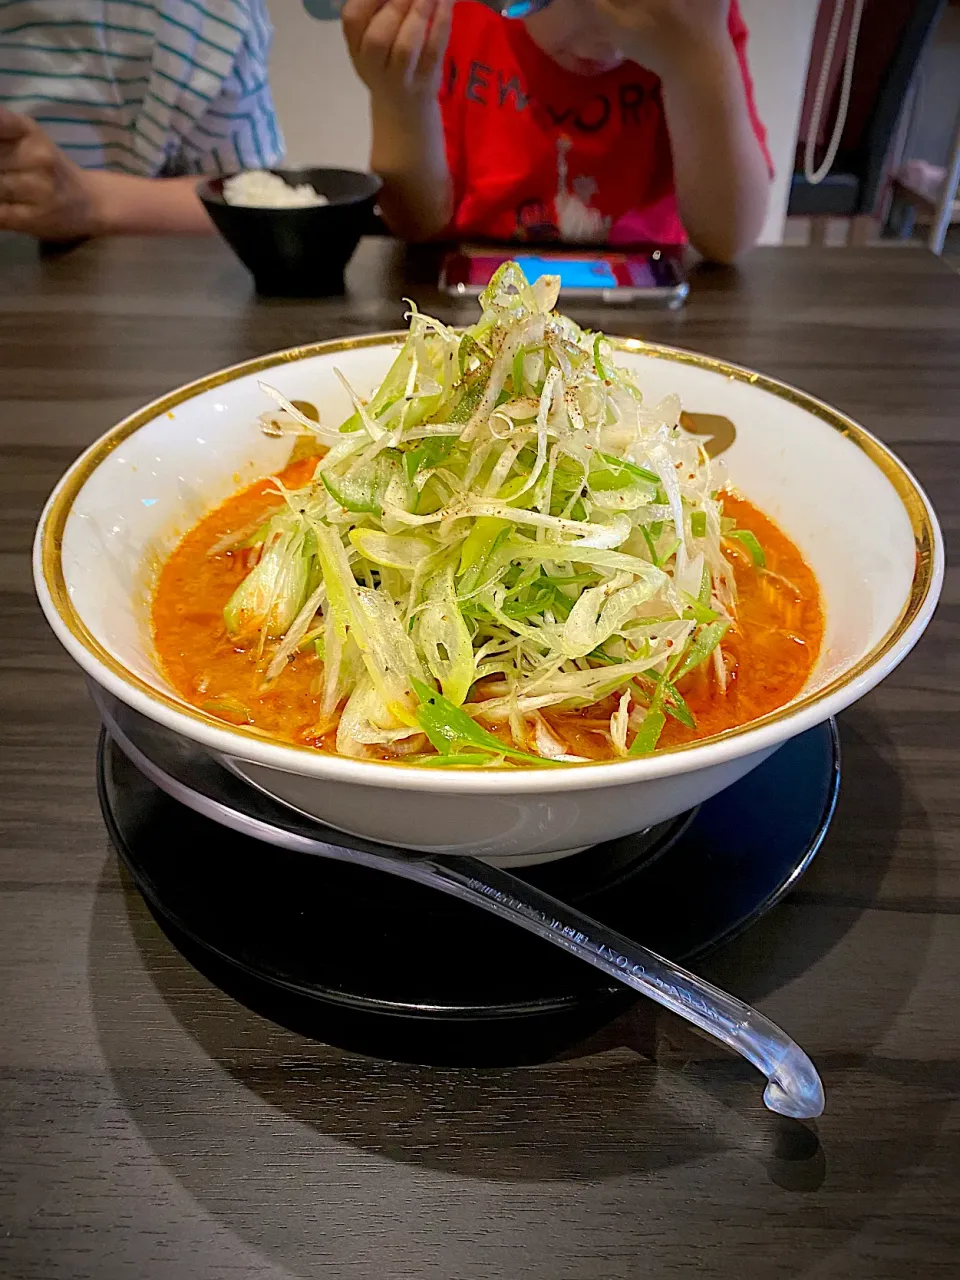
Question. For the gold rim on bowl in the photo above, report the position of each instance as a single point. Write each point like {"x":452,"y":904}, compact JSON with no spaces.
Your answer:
{"x":50,"y":537}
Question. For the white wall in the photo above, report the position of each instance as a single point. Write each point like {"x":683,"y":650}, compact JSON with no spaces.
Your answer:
{"x":781,"y":33}
{"x":321,"y":103}
{"x":323,"y":109}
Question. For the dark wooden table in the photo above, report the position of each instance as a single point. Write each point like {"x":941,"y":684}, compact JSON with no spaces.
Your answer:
{"x":151,"y":1129}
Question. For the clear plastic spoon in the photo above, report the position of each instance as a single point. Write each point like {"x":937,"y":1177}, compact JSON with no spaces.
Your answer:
{"x":194,"y":778}
{"x":793,"y":1085}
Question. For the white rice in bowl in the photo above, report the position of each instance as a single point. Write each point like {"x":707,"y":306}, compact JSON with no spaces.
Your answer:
{"x":260,"y":189}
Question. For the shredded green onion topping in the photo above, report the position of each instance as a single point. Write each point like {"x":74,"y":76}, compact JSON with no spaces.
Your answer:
{"x":504,"y":527}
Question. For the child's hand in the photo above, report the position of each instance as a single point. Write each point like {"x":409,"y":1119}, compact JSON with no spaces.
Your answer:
{"x":659,"y":34}
{"x":397,"y":46}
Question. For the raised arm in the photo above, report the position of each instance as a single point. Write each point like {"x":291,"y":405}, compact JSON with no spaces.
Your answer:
{"x":721,"y":173}
{"x":397,"y":47}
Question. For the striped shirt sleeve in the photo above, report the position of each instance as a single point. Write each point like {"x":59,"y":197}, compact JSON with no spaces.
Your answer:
{"x":238,"y":129}
{"x":144,"y":86}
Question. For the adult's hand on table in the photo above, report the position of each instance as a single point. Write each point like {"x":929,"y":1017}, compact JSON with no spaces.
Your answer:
{"x":42,"y":192}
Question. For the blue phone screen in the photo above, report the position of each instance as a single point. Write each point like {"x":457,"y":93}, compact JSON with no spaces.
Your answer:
{"x":574,"y":273}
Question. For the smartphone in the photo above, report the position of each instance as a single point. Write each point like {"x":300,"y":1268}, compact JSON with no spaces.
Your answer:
{"x":654,"y":275}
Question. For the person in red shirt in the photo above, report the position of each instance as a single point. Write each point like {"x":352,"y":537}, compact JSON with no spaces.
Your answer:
{"x":588,"y":121}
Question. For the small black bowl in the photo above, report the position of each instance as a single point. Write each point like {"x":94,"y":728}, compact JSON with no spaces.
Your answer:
{"x":298,"y":252}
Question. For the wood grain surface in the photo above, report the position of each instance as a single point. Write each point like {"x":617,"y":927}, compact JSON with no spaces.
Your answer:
{"x":152,"y":1129}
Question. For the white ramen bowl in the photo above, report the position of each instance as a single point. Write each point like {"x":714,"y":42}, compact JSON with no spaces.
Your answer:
{"x":855,"y":512}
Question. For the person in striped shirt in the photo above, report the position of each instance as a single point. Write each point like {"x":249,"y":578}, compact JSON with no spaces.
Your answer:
{"x":108,"y":106}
